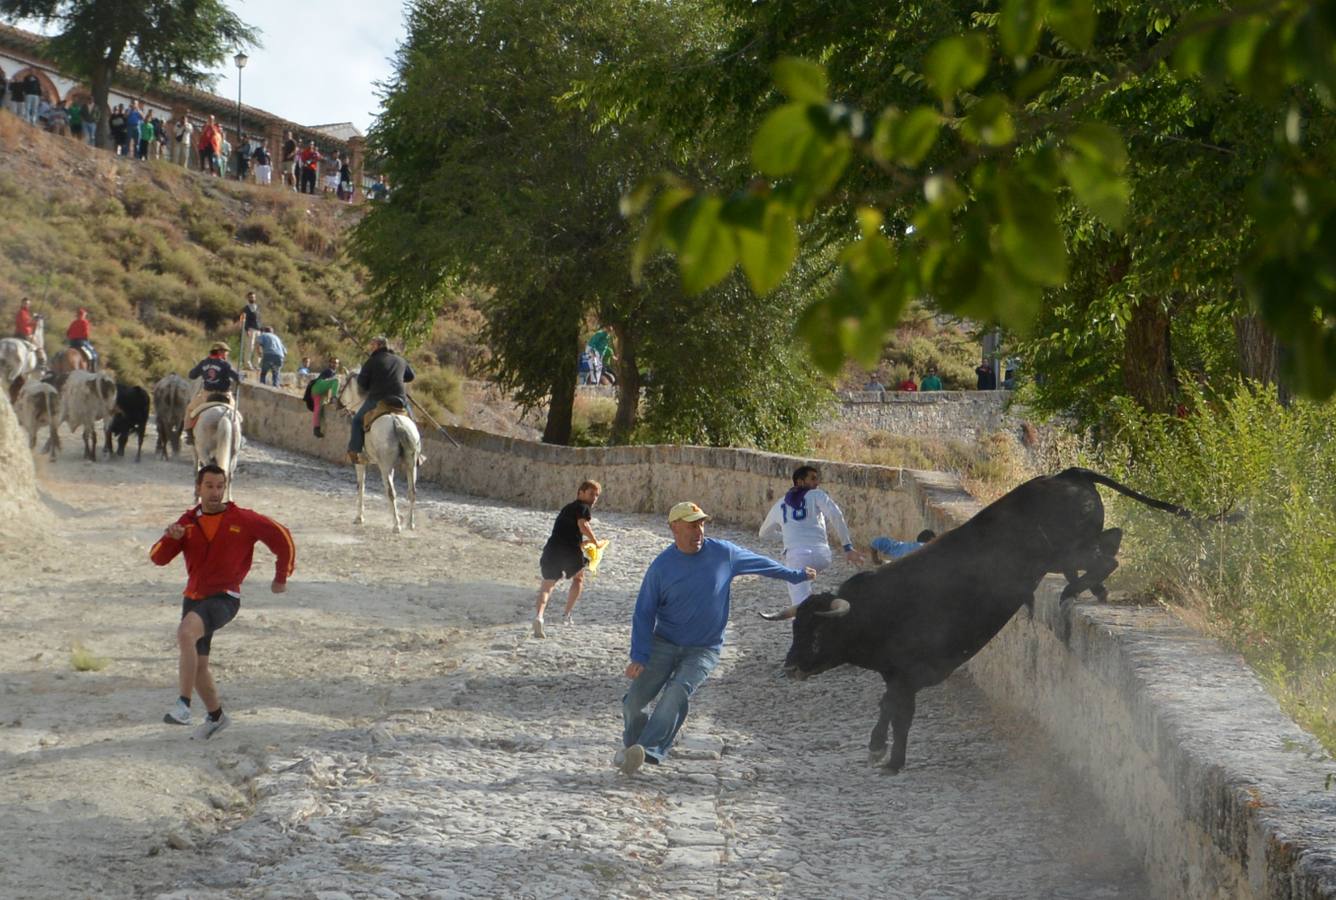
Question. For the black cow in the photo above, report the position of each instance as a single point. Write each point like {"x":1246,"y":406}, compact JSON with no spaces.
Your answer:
{"x":129,"y":416}
{"x":918,"y":618}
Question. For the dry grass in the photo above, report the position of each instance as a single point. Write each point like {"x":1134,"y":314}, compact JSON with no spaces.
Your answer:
{"x":987,"y":468}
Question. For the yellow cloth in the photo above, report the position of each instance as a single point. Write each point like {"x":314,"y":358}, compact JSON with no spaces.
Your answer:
{"x":593,"y":554}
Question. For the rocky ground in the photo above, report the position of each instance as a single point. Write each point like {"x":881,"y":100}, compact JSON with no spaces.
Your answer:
{"x":398,"y":731}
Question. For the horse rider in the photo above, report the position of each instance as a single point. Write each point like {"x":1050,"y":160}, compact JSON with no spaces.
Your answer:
{"x":78,"y":333}
{"x":23,"y":322}
{"x":219,"y":376}
{"x":382,"y":377}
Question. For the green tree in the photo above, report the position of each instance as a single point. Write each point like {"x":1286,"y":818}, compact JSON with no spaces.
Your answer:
{"x":510,"y":181}
{"x":1008,"y":141}
{"x":165,"y":39}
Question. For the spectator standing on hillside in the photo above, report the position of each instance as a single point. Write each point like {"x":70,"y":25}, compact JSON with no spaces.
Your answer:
{"x":210,"y":145}
{"x":116,"y":124}
{"x":800,"y":517}
{"x":309,"y":164}
{"x":289,"y":160}
{"x":32,"y":96}
{"x":330,"y":184}
{"x":380,"y":190}
{"x":16,"y":94}
{"x":92,"y":114}
{"x":75,"y":113}
{"x":272,"y":354}
{"x":931,"y":382}
{"x":985,"y":379}
{"x":600,"y":347}
{"x":250,"y":329}
{"x":346,"y":180}
{"x":133,"y":119}
{"x":874,"y":383}
{"x":263,"y":171}
{"x":58,"y":120}
{"x":224,"y":154}
{"x":243,"y":160}
{"x":677,"y":631}
{"x":79,"y":334}
{"x":908,"y":384}
{"x":182,"y":137}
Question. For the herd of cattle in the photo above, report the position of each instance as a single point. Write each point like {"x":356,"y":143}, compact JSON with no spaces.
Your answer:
{"x":86,"y":398}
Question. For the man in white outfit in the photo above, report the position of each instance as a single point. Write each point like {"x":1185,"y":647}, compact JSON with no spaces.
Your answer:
{"x":802,"y":516}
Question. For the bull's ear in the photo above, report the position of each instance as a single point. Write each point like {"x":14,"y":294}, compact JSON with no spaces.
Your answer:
{"x":780,"y":616}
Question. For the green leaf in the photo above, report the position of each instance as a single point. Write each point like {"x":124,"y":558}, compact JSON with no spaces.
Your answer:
{"x":704,"y":245}
{"x":989,"y":122}
{"x":801,"y":80}
{"x":906,"y":139}
{"x":1098,"y":141}
{"x":1028,"y":231}
{"x":1018,"y":26}
{"x":1094,"y":167}
{"x":956,"y":64}
{"x":1073,"y":21}
{"x":768,"y":253}
{"x":782,"y":139}
{"x":652,"y":236}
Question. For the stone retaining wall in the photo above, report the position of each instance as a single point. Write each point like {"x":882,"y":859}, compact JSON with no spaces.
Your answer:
{"x":1220,"y":792}
{"x":964,"y":415}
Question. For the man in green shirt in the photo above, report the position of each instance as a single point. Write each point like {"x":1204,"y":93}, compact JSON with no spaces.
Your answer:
{"x":930,"y":381}
{"x":600,"y":348}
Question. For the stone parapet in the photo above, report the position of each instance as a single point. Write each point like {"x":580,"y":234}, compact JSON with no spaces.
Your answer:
{"x":963,"y":415}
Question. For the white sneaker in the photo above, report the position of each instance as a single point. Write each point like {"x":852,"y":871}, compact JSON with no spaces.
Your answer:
{"x":178,"y":714}
{"x":209,"y":727}
{"x":567,"y":619}
{"x":629,"y":759}
{"x":538,"y":631}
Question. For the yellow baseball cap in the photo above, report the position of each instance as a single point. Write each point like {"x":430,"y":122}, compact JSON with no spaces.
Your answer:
{"x":686,"y":511}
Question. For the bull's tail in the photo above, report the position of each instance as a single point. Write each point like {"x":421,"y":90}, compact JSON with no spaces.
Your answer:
{"x":1126,"y":491}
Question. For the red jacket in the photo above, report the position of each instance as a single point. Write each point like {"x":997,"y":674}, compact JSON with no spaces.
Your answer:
{"x":223,"y":563}
{"x":78,"y":330}
{"x":23,"y":323}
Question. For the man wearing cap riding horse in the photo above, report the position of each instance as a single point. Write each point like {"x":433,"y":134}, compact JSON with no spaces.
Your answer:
{"x":218,"y":376}
{"x":678,"y":630}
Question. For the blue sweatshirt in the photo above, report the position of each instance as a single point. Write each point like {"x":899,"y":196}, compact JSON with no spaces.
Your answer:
{"x":684,"y":598}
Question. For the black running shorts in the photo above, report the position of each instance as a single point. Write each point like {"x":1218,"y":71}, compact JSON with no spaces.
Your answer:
{"x":557,"y":563}
{"x":216,"y":610}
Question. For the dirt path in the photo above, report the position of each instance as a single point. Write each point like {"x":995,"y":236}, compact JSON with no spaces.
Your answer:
{"x":398,"y":731}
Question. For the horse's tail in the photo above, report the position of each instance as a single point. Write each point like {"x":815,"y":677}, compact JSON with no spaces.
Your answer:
{"x":410,"y":443}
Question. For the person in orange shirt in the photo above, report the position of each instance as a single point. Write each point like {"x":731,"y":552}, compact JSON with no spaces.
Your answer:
{"x":23,"y":321}
{"x":217,"y":539}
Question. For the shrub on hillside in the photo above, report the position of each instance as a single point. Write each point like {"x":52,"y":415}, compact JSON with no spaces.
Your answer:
{"x":439,"y":390}
{"x":138,"y":198}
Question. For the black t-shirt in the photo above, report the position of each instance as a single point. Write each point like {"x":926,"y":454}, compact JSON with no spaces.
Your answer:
{"x":251,"y":314}
{"x":261,"y":156}
{"x":289,"y":151}
{"x":566,"y":532}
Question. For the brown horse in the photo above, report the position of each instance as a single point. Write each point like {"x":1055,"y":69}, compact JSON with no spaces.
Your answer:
{"x":69,"y":360}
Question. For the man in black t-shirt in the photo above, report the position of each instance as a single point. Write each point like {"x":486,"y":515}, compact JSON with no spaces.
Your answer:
{"x":290,"y":162}
{"x":562,"y":556}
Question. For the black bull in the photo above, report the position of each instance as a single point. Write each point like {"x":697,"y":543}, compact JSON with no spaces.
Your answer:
{"x":917,"y":619}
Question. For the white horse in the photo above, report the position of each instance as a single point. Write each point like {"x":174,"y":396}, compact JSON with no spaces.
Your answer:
{"x":20,"y":358}
{"x":218,"y":440}
{"x":393,"y":441}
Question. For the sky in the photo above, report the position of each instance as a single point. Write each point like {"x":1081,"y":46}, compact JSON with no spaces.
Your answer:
{"x":318,"y":61}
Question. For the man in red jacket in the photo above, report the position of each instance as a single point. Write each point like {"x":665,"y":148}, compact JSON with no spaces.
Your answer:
{"x":217,"y":538}
{"x":23,"y":322}
{"x":79,"y":335}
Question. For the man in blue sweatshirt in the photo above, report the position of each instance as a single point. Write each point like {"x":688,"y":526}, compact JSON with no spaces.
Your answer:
{"x":678,"y":630}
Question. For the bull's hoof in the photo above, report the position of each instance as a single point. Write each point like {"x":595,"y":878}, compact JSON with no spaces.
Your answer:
{"x":876,"y":757}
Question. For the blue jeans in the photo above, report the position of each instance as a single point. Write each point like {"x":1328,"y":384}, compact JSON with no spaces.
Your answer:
{"x":672,"y":674}
{"x":270,"y":364}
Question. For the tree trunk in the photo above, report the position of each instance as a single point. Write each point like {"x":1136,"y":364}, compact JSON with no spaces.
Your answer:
{"x":561,"y":409}
{"x":1259,"y":354}
{"x":101,"y":88}
{"x":628,"y":385}
{"x":1148,"y":363}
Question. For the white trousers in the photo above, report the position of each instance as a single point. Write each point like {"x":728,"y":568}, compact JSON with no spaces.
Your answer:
{"x":818,"y":558}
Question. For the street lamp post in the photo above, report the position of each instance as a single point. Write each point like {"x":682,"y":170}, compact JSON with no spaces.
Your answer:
{"x":240,"y":59}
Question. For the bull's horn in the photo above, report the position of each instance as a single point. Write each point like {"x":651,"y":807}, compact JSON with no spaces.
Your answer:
{"x":838,"y":607}
{"x":780,"y":616}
